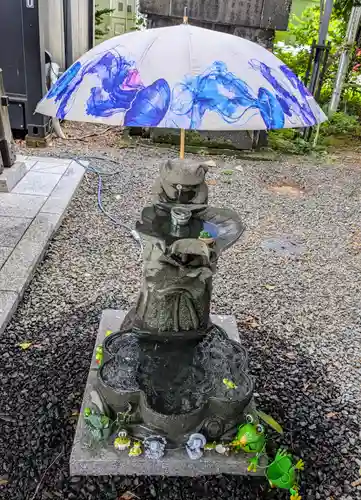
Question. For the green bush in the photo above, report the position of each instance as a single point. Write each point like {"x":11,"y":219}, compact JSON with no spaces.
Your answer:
{"x":341,"y":124}
{"x":288,"y":141}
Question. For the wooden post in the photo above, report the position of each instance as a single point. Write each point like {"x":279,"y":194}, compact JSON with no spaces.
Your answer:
{"x":7,"y":146}
{"x":182,"y":143}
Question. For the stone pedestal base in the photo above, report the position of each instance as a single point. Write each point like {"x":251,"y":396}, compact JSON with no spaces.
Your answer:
{"x":103,"y":462}
{"x":38,"y":142}
{"x":11,"y":176}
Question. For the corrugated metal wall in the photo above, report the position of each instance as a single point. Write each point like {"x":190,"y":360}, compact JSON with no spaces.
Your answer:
{"x":53,"y":28}
{"x":80,"y":10}
{"x":53,"y":23}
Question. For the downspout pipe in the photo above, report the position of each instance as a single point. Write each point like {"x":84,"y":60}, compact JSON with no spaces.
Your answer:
{"x":91,"y":24}
{"x":68,"y":39}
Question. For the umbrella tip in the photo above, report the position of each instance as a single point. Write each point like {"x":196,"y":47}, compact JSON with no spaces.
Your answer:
{"x":185,"y":15}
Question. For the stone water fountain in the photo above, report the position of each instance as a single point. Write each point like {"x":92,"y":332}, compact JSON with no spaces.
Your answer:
{"x":168,"y":361}
{"x":169,"y":372}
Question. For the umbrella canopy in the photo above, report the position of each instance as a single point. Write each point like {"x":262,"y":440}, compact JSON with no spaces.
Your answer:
{"x":182,"y":77}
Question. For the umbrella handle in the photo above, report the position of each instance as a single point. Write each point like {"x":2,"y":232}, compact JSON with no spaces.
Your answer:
{"x":182,"y":143}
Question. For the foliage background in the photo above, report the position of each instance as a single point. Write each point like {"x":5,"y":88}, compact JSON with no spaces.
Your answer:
{"x":303,"y":31}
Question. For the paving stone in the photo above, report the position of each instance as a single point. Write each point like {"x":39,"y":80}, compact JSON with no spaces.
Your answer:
{"x":11,"y":176}
{"x":50,"y":168}
{"x":8,"y":304}
{"x":37,"y":183}
{"x":76,"y":170}
{"x":4,"y":254}
{"x":84,"y":462}
{"x":12,"y":229}
{"x":20,"y":205}
{"x":61,"y":196}
{"x":19,"y":267}
{"x":21,"y":158}
{"x":29,"y":164}
{"x":50,"y":160}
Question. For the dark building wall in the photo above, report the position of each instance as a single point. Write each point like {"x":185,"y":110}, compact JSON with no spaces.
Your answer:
{"x":269,"y":14}
{"x":262,"y":36}
{"x":255,"y":20}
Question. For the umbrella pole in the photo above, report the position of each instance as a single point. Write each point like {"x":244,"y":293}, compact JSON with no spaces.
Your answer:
{"x":182,"y":131}
{"x":182,"y":143}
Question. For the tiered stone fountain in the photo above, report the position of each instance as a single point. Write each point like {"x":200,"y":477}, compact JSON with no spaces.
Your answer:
{"x":169,"y":373}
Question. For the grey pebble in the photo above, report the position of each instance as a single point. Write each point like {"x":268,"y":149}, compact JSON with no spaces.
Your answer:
{"x":303,"y":353}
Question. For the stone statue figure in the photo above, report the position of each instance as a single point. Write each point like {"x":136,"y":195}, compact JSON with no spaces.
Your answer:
{"x":181,"y":183}
{"x":168,"y":361}
{"x":178,"y":266}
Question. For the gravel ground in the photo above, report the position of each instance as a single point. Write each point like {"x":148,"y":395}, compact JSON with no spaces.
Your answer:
{"x":292,"y":282}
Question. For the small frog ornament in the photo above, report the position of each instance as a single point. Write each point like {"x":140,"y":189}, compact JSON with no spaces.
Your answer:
{"x":250,"y":438}
{"x":99,"y":355}
{"x":136,"y":449}
{"x":122,"y":442}
{"x":98,"y":424}
{"x":283,"y":473}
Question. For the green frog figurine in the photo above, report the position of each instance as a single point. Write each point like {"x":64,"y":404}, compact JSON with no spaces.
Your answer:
{"x":122,"y":442}
{"x":136,"y":449}
{"x":250,"y":438}
{"x":283,"y":473}
{"x":99,"y":355}
{"x":98,"y":424}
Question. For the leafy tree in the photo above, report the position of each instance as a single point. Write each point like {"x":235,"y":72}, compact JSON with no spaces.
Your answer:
{"x":296,"y":55}
{"x":98,"y":19}
{"x":342,"y":8}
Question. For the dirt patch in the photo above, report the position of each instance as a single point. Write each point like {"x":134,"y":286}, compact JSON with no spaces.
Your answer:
{"x":287,"y":190}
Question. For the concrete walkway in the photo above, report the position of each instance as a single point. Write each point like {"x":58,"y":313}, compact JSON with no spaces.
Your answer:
{"x":29,"y":216}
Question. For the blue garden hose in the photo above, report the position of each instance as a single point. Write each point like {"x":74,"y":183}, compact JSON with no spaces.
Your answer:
{"x":94,"y":170}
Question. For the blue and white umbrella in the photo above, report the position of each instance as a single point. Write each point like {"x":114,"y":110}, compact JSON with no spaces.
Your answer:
{"x":182,"y":77}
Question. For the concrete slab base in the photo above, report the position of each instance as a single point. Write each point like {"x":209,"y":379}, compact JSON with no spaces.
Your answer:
{"x":106,"y":461}
{"x":11,"y":176}
{"x":29,"y":216}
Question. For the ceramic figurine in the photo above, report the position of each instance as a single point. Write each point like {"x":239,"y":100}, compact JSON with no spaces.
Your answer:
{"x":222,"y":449}
{"x":206,"y":237}
{"x":229,"y":384}
{"x":250,"y":438}
{"x":99,"y":355}
{"x":97,"y":423}
{"x":283,"y":473}
{"x":154,"y":447}
{"x":136,"y":449}
{"x":122,"y":442}
{"x":195,"y":446}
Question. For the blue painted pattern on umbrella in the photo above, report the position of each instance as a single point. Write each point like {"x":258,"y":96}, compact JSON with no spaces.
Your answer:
{"x":119,"y":89}
{"x":289,"y":102}
{"x":221,"y":91}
